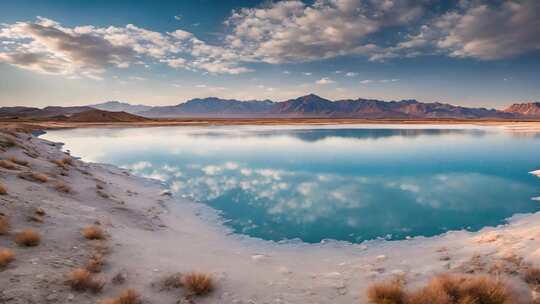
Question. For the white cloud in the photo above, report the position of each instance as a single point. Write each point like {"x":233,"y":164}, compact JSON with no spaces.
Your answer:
{"x":45,"y":46}
{"x":351,"y":74}
{"x":292,"y":31}
{"x":324,"y":81}
{"x":480,"y":29}
{"x":178,"y":17}
{"x":368,"y":81}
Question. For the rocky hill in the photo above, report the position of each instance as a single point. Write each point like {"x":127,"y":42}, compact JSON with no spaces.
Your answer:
{"x":531,"y":109}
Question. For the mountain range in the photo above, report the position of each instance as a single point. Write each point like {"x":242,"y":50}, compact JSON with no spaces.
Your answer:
{"x":302,"y":107}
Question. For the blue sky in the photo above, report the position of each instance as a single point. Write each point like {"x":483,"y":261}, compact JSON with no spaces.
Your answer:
{"x":474,"y":53}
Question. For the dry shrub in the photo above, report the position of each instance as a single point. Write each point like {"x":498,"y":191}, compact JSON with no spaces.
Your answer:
{"x":95,"y":263}
{"x":81,"y":279}
{"x":129,"y":296}
{"x":40,"y":177}
{"x":40,"y":212}
{"x":62,"y":187}
{"x":6,"y":257}
{"x":6,"y":164}
{"x":387,"y":293}
{"x":67,"y":161}
{"x":198,"y":283}
{"x":462,"y":289}
{"x":444,"y":289}
{"x":93,"y":232}
{"x":172,"y":281}
{"x":27,"y":238}
{"x":17,"y":161}
{"x":532,"y":276}
{"x":64,"y":162}
{"x":3,"y":189}
{"x":4,"y":225}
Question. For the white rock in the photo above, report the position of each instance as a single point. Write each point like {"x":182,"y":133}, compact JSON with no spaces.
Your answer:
{"x":258,"y":257}
{"x":332,"y":275}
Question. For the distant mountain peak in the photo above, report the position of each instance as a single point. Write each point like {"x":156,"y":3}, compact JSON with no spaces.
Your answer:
{"x":528,"y":109}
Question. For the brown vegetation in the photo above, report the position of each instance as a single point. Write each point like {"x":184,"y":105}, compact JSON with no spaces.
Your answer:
{"x":172,"y":281}
{"x":387,"y":293}
{"x":40,"y":177}
{"x":93,"y":232}
{"x":81,"y":279}
{"x":129,"y":296}
{"x":3,"y":189}
{"x":6,"y":257}
{"x":64,"y":162}
{"x":62,"y":187}
{"x":40,"y":212}
{"x":532,"y":276}
{"x":198,"y":283}
{"x":4,"y":225}
{"x":450,"y":289}
{"x":28,"y":238}
{"x":6,"y":164}
{"x":17,"y":161}
{"x":95,"y":263}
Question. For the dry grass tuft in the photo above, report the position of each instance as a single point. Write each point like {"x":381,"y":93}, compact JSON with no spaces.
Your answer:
{"x":462,"y":289}
{"x":172,"y":281}
{"x":387,"y":293}
{"x":40,"y":177}
{"x":93,"y":232}
{"x":62,"y":187}
{"x":96,"y":263}
{"x":129,"y":296}
{"x":198,"y":283}
{"x":6,"y":257}
{"x":81,"y":279}
{"x":17,"y":161}
{"x":63,"y":163}
{"x":532,"y":276}
{"x":67,"y":161}
{"x":3,"y":189}
{"x":6,"y":164}
{"x":4,"y":225}
{"x":444,"y":289}
{"x":28,"y":238}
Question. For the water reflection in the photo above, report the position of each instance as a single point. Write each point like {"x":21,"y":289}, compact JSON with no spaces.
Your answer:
{"x":347,"y":184}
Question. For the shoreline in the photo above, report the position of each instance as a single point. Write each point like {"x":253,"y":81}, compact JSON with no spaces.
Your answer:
{"x":154,"y":234}
{"x":533,"y":125}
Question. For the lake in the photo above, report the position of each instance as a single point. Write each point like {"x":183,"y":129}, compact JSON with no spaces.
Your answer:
{"x":349,"y":183}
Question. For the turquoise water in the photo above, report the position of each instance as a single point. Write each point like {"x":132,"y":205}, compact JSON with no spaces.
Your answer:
{"x":344,"y":183}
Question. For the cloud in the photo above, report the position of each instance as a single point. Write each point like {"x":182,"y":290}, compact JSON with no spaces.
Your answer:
{"x":324,"y":81}
{"x":368,"y":81}
{"x":482,"y":30}
{"x":178,"y":17}
{"x":45,"y":46}
{"x":292,"y":31}
{"x":282,"y":32}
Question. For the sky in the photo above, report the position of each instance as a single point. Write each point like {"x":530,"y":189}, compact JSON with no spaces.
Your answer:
{"x":76,"y":52}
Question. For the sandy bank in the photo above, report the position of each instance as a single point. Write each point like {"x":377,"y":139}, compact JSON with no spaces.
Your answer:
{"x":153,"y":234}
